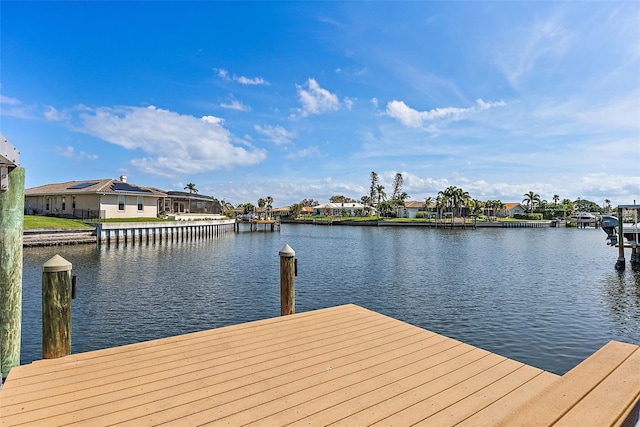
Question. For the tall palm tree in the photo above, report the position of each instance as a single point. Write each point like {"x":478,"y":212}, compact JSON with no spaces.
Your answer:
{"x":269,"y":204}
{"x":427,"y":205}
{"x":382,"y":196}
{"x":192,"y":188}
{"x":556,"y":198}
{"x":531,"y":199}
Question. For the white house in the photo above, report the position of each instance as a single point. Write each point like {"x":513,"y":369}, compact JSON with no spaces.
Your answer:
{"x":410,"y":209}
{"x":340,"y":209}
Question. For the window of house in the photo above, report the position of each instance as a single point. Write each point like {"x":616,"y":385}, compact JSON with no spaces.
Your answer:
{"x":46,"y":200}
{"x":121,"y":203}
{"x":140,"y":203}
{"x":73,"y":202}
{"x":64,"y":203}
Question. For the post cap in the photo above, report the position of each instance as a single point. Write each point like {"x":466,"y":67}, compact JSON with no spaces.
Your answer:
{"x":287,"y":252}
{"x":55,"y":264}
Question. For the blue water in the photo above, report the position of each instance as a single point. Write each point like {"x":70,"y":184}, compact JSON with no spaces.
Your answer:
{"x":546,"y":297}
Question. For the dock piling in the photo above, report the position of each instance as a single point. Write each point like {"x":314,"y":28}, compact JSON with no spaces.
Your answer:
{"x":287,"y":281}
{"x":11,"y":230}
{"x":56,"y":308}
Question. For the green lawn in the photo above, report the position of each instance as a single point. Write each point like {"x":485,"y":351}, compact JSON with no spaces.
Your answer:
{"x":33,"y":221}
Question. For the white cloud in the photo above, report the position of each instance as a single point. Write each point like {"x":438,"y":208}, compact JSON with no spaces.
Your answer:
{"x":316,"y":100}
{"x":374,"y":101}
{"x":276,"y":134}
{"x":8,"y":101}
{"x":312,"y":151}
{"x":235,"y":105}
{"x":175,"y":144}
{"x":519,"y":52}
{"x":54,"y":115}
{"x":416,"y":119}
{"x":249,"y":81}
{"x":70,"y":152}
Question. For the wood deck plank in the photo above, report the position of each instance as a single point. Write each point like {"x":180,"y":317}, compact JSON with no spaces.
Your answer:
{"x":250,"y":391}
{"x":212,"y":351}
{"x":471,"y":404}
{"x":343,"y":365}
{"x":562,"y":395}
{"x":123,"y":356}
{"x":309,"y":411}
{"x":117,"y":396}
{"x":487,"y":415}
{"x":419,"y":409}
{"x":597,"y":407}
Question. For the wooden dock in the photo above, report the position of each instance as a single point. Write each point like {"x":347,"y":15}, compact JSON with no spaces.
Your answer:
{"x":344,"y":365}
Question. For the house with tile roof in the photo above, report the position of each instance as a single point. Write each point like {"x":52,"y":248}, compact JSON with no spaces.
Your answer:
{"x":511,"y":209}
{"x":410,"y":209}
{"x":93,"y":199}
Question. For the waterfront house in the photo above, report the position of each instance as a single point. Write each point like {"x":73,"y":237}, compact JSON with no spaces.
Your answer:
{"x":340,"y":209}
{"x":92,"y":199}
{"x":511,"y":209}
{"x":410,"y":209}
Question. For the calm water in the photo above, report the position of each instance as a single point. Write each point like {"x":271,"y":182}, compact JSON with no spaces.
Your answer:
{"x":545,"y":297}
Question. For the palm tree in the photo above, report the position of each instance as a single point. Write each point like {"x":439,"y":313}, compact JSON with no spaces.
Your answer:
{"x":192,"y":188}
{"x":556,"y":198}
{"x":427,"y":203}
{"x":531,"y":199}
{"x":269,"y":203}
{"x":382,"y":196}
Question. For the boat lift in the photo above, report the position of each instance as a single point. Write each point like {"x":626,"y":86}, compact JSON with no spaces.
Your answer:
{"x":617,"y":231}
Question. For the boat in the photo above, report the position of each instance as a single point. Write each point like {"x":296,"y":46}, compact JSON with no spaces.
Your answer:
{"x":630,"y":230}
{"x":584,"y":219}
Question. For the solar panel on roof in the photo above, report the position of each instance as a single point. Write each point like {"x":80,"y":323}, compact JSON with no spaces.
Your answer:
{"x":81,"y":185}
{"x":123,"y":186}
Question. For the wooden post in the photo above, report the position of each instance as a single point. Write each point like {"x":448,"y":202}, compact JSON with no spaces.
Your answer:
{"x":11,"y":229}
{"x":56,"y":308}
{"x":620,"y":263}
{"x":287,"y":281}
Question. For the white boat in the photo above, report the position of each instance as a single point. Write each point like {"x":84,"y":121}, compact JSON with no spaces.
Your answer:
{"x":585,"y":218}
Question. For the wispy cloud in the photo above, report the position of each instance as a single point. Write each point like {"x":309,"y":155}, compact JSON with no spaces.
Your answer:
{"x":520,"y":52}
{"x":234,"y":104}
{"x":243,"y":80}
{"x":315,"y":100}
{"x":312,"y":151}
{"x":174,"y":143}
{"x":276,"y":134}
{"x":71,"y":153}
{"x":417,"y":119}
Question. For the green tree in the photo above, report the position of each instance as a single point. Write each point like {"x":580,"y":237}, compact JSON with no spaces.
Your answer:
{"x":191,"y":187}
{"x":531,"y":200}
{"x":373,"y":195}
{"x":556,"y":198}
{"x":381,"y":195}
{"x":269,"y":206}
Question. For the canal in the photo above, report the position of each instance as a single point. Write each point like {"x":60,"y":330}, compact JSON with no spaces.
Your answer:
{"x":546,"y":297}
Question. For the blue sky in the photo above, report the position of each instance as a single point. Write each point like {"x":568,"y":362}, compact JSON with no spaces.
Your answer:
{"x":299,"y":100}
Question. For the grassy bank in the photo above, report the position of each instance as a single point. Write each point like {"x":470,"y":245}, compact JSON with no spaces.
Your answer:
{"x":33,"y":221}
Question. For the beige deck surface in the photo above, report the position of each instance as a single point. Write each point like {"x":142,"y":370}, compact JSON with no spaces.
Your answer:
{"x":344,"y":365}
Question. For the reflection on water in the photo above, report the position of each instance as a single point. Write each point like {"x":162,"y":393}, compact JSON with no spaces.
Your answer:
{"x":546,"y":297}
